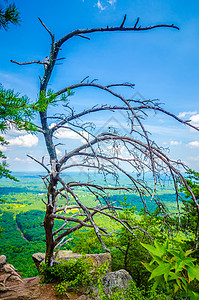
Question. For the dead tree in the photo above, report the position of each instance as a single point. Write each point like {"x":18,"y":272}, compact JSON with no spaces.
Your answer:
{"x":143,"y":152}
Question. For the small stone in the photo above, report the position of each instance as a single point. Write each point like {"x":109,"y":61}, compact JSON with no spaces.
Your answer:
{"x":8,"y":268}
{"x":3,"y":260}
{"x":38,"y":258}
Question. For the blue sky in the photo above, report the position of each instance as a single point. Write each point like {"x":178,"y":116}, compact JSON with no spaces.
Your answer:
{"x":163,"y":64}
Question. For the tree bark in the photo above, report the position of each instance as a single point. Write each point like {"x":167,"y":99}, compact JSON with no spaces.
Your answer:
{"x":48,"y":225}
{"x":49,"y":221}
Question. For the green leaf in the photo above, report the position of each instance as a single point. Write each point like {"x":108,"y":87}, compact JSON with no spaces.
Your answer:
{"x":188,"y":252}
{"x":193,"y":295}
{"x":156,"y":283}
{"x":191,"y":274}
{"x":175,"y":253}
{"x":148,"y":267}
{"x":163,"y":268}
{"x":153,"y":250}
{"x":193,"y":271}
{"x":176,"y":288}
{"x":173,"y":276}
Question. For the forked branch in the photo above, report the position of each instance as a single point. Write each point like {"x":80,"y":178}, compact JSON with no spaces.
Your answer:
{"x":112,"y":29}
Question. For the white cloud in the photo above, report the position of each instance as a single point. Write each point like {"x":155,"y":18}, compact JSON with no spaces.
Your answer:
{"x":23,"y":159}
{"x":74,"y":159}
{"x":59,"y":153}
{"x":3,"y":148}
{"x":194,"y":144}
{"x":175,"y":143}
{"x":195,"y":120}
{"x":112,"y":2}
{"x":194,"y":158}
{"x":100,"y":6}
{"x":12,"y":130}
{"x":67,"y":133}
{"x":27,"y":140}
{"x":52,"y":125}
{"x":186,"y":113}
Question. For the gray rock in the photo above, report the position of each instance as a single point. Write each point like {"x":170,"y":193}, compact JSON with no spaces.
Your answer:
{"x":38,"y":258}
{"x":97,"y":259}
{"x":83,"y":297}
{"x":2,"y":260}
{"x":115,"y":280}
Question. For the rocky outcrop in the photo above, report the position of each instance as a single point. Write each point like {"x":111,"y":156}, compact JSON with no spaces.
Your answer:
{"x":97,"y":259}
{"x":115,"y":280}
{"x":111,"y":280}
{"x":8,"y":274}
{"x":38,"y":258}
{"x":26,"y":289}
{"x":13,"y":287}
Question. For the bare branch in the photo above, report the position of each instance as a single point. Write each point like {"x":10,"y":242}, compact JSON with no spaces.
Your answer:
{"x":43,"y":201}
{"x":115,"y":218}
{"x":75,"y":220}
{"x":111,"y":29}
{"x":61,"y":244}
{"x":82,"y":36}
{"x":89,"y":215}
{"x":29,"y":62}
{"x":84,"y":79}
{"x":91,"y":84}
{"x":127,"y":84}
{"x":52,"y":35}
{"x":138,"y":21}
{"x":40,"y":163}
{"x":123,"y":21}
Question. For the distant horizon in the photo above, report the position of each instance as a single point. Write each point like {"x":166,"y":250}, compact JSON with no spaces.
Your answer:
{"x":147,"y":176}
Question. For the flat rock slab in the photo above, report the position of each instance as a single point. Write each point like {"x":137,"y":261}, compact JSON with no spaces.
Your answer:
{"x":98,"y":259}
{"x":31,"y":289}
{"x":25,"y":290}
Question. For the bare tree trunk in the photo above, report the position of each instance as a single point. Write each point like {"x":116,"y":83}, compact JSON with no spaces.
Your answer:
{"x":49,"y":221}
{"x":48,"y":225}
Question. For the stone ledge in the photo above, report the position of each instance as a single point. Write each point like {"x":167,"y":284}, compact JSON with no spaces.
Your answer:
{"x":98,"y":259}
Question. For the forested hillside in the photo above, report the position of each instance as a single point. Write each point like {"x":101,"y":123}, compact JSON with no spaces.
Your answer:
{"x":23,"y":212}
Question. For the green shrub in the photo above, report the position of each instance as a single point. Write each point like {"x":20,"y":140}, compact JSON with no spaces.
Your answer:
{"x":133,"y":293}
{"x":72,"y":274}
{"x":173,"y":270}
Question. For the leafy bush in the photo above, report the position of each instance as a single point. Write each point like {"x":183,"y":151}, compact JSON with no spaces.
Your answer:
{"x":126,"y":251}
{"x":133,"y":293}
{"x":190,"y":217}
{"x":172,"y":270}
{"x":72,"y":274}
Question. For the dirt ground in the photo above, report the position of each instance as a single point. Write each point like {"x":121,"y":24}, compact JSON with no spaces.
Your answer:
{"x":30,"y":288}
